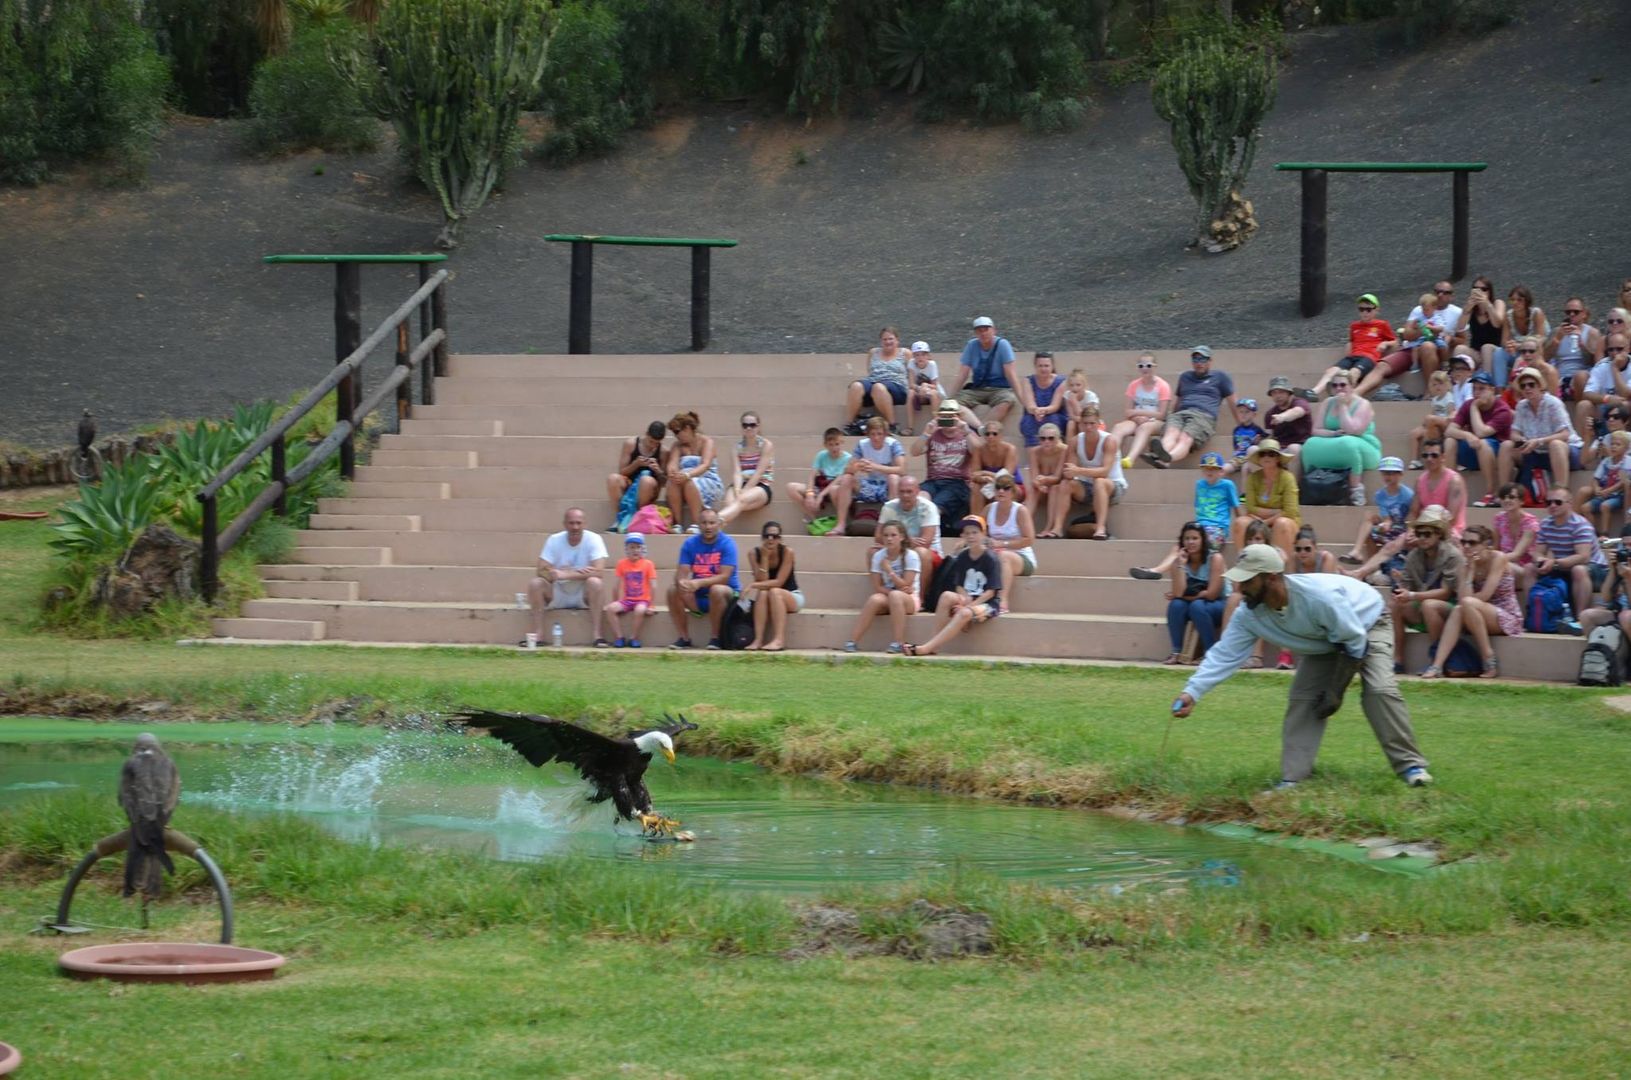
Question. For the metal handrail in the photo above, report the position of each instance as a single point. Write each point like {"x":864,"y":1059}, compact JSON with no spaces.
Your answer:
{"x":349,"y":413}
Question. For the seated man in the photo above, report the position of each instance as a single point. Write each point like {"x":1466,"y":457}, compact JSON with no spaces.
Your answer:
{"x":1477,"y":431}
{"x":568,"y":576}
{"x":1566,"y":547}
{"x":950,"y":444}
{"x":1542,"y":436}
{"x":987,"y":374}
{"x":1609,"y":384}
{"x":1571,"y":348}
{"x":705,"y":581}
{"x":920,"y":517}
{"x":1092,"y":475}
{"x":1201,"y":393}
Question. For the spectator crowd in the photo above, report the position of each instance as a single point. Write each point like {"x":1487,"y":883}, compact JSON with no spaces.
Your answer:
{"x":956,"y":475}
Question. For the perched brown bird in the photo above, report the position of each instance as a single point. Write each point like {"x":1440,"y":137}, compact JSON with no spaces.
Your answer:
{"x":87,"y":430}
{"x":149,"y":785}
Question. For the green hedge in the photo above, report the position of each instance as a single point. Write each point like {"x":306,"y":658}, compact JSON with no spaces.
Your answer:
{"x":309,"y":97}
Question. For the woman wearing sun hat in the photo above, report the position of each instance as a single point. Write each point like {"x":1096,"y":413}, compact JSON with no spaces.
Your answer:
{"x":1344,"y":436}
{"x":1270,"y":497}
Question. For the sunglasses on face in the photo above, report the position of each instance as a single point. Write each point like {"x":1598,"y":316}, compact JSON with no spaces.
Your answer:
{"x":1366,"y":307}
{"x":1574,"y":311}
{"x":773,"y":536}
{"x":1338,"y":385}
{"x":1050,"y":438}
{"x":1444,"y":292}
{"x":1426,"y":534}
{"x":1527,"y":352}
{"x":1557,"y":502}
{"x":1431,"y":456}
{"x":1145,"y":367}
{"x":750,"y":423}
{"x":1467,"y":541}
{"x":1200,"y":359}
{"x":1612,"y":319}
{"x":1304,"y":550}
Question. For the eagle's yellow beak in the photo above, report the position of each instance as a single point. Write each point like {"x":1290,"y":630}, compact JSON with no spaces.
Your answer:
{"x":667,"y":753}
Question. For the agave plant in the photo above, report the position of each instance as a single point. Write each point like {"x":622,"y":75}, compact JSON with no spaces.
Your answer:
{"x":100,"y":525}
{"x":903,"y":52}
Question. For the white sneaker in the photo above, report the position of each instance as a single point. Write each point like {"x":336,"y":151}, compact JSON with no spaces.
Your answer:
{"x":1416,"y":776}
{"x":1356,"y":495}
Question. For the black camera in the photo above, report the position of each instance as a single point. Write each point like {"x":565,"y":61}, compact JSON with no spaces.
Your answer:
{"x":1623,"y":555}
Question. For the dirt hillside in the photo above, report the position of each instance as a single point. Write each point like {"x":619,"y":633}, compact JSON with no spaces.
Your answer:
{"x":153,"y":303}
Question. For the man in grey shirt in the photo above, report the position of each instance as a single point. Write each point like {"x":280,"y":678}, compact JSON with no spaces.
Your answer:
{"x":1339,"y":627}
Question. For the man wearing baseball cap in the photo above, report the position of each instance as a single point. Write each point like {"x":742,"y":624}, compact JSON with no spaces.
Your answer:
{"x":1477,"y":431}
{"x":1340,"y":628}
{"x":1201,"y":394}
{"x":987,"y":376}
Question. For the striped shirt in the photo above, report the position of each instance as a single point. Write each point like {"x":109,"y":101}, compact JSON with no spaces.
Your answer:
{"x":1561,"y":540}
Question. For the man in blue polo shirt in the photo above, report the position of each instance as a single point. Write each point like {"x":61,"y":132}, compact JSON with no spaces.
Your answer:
{"x":987,"y":374}
{"x":1201,"y":392}
{"x":705,"y":581}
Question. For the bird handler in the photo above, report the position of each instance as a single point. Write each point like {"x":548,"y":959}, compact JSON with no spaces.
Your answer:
{"x":1338,"y":626}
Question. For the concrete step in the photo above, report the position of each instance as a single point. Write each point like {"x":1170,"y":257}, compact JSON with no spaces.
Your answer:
{"x":419,"y":425}
{"x":424,"y":457}
{"x":343,"y":556}
{"x":260,"y":629}
{"x":388,"y":490}
{"x":375,"y":522}
{"x":313,"y":590}
{"x":1131,"y":519}
{"x":715,"y":398}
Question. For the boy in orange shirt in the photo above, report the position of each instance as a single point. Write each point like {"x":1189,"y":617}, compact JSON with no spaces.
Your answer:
{"x":635,"y":577}
{"x":1370,"y":337}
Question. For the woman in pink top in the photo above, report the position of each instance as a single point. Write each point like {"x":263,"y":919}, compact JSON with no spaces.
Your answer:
{"x":1515,"y":530}
{"x":1149,"y":398}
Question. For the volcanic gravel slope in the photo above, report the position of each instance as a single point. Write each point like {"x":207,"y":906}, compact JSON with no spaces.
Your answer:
{"x":153,"y":303}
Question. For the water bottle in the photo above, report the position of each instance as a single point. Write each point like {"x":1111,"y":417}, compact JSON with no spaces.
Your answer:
{"x":555,"y":635}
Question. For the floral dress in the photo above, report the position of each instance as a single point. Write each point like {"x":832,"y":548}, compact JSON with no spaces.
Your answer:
{"x":1505,"y":602}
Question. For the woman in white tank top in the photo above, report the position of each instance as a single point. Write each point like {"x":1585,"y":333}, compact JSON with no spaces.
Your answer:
{"x":1012,"y":533}
{"x":1101,"y":492}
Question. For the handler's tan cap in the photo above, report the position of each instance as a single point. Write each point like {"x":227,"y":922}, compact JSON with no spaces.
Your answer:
{"x":1256,"y":559}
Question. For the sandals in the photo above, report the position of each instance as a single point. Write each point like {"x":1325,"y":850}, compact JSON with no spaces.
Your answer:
{"x":911,"y":650}
{"x":1142,"y":573}
{"x":1492,"y":667}
{"x":1173,"y":659}
{"x":1350,"y":559}
{"x":1431,"y":671}
{"x":1049,"y":535}
{"x":1101,"y":535}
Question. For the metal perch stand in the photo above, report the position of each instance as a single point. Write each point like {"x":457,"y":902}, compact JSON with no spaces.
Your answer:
{"x":173,"y":841}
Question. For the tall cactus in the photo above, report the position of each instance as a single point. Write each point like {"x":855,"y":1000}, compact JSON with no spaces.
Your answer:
{"x":1215,"y":96}
{"x":454,"y":77}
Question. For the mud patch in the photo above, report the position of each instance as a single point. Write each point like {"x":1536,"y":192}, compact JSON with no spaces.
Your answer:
{"x":918,"y":931}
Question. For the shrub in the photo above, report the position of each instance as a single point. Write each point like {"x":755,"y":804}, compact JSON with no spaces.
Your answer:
{"x":213,"y":47}
{"x":583,"y":82}
{"x":1007,"y":59}
{"x":454,"y":76}
{"x":307,"y":97}
{"x":808,"y":52}
{"x":1215,"y":96}
{"x":77,"y":81}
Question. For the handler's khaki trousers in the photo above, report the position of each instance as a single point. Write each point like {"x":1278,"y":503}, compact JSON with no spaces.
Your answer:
{"x":1316,"y":693}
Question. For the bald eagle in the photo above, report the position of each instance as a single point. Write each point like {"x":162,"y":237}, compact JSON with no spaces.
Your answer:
{"x":615,"y":767}
{"x":149,"y":786}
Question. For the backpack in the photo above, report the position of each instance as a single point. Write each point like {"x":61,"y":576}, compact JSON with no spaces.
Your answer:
{"x":1543,"y":611}
{"x":1535,"y":481}
{"x":648,"y":520}
{"x":1604,"y":659}
{"x":1463,"y":661}
{"x":1324,"y":487}
{"x":736,"y":628}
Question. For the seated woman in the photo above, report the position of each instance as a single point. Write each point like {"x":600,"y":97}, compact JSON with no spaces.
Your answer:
{"x":1012,"y":532}
{"x":1270,"y":497}
{"x":895,"y":570}
{"x":885,"y":384}
{"x":976,"y":593}
{"x":1198,"y":591}
{"x":755,"y":464}
{"x":640,"y":469}
{"x":1486,"y":603}
{"x":1094,"y":477}
{"x":1047,"y":473}
{"x":693,"y":472}
{"x":1041,"y":396}
{"x":1344,"y":437}
{"x":995,"y":457}
{"x":879,"y":461}
{"x":774,"y":588}
{"x":1307,"y":557}
{"x":1515,"y":532}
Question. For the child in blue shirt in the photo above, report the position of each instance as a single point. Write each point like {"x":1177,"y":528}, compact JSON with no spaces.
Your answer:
{"x":1245,"y":435}
{"x":1216,"y":500}
{"x":829,"y":481}
{"x":1392,"y":512}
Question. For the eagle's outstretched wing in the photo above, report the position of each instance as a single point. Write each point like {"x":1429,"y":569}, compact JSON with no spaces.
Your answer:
{"x":542,"y":739}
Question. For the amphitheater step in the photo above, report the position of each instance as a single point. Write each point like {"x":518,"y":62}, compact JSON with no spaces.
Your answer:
{"x":446,"y":459}
{"x":387,"y":490}
{"x":416,"y":425}
{"x":258,"y":629}
{"x":376,"y":522}
{"x":343,"y":556}
{"x":312,"y":590}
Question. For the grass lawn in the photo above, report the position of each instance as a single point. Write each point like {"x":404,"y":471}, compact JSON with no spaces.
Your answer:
{"x":1509,"y":961}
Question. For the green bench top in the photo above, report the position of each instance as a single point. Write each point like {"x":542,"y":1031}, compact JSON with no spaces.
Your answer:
{"x":1385,"y":166}
{"x":647,"y":241}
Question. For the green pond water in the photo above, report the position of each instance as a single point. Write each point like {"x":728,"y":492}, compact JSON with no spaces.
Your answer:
{"x":754,"y":830}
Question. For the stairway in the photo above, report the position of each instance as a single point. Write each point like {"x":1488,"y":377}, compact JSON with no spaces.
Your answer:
{"x":443,"y":526}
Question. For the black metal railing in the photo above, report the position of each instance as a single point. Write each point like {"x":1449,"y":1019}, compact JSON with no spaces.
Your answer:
{"x":345,"y":381}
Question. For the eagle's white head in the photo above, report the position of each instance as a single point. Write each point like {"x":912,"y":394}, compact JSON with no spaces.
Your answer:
{"x":656,"y":742}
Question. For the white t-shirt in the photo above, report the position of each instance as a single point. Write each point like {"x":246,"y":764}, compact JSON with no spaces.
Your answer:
{"x":1601,"y":379}
{"x":924,"y":514}
{"x":1443,"y":320}
{"x":562,"y":555}
{"x":907,"y":563}
{"x":928,"y":374}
